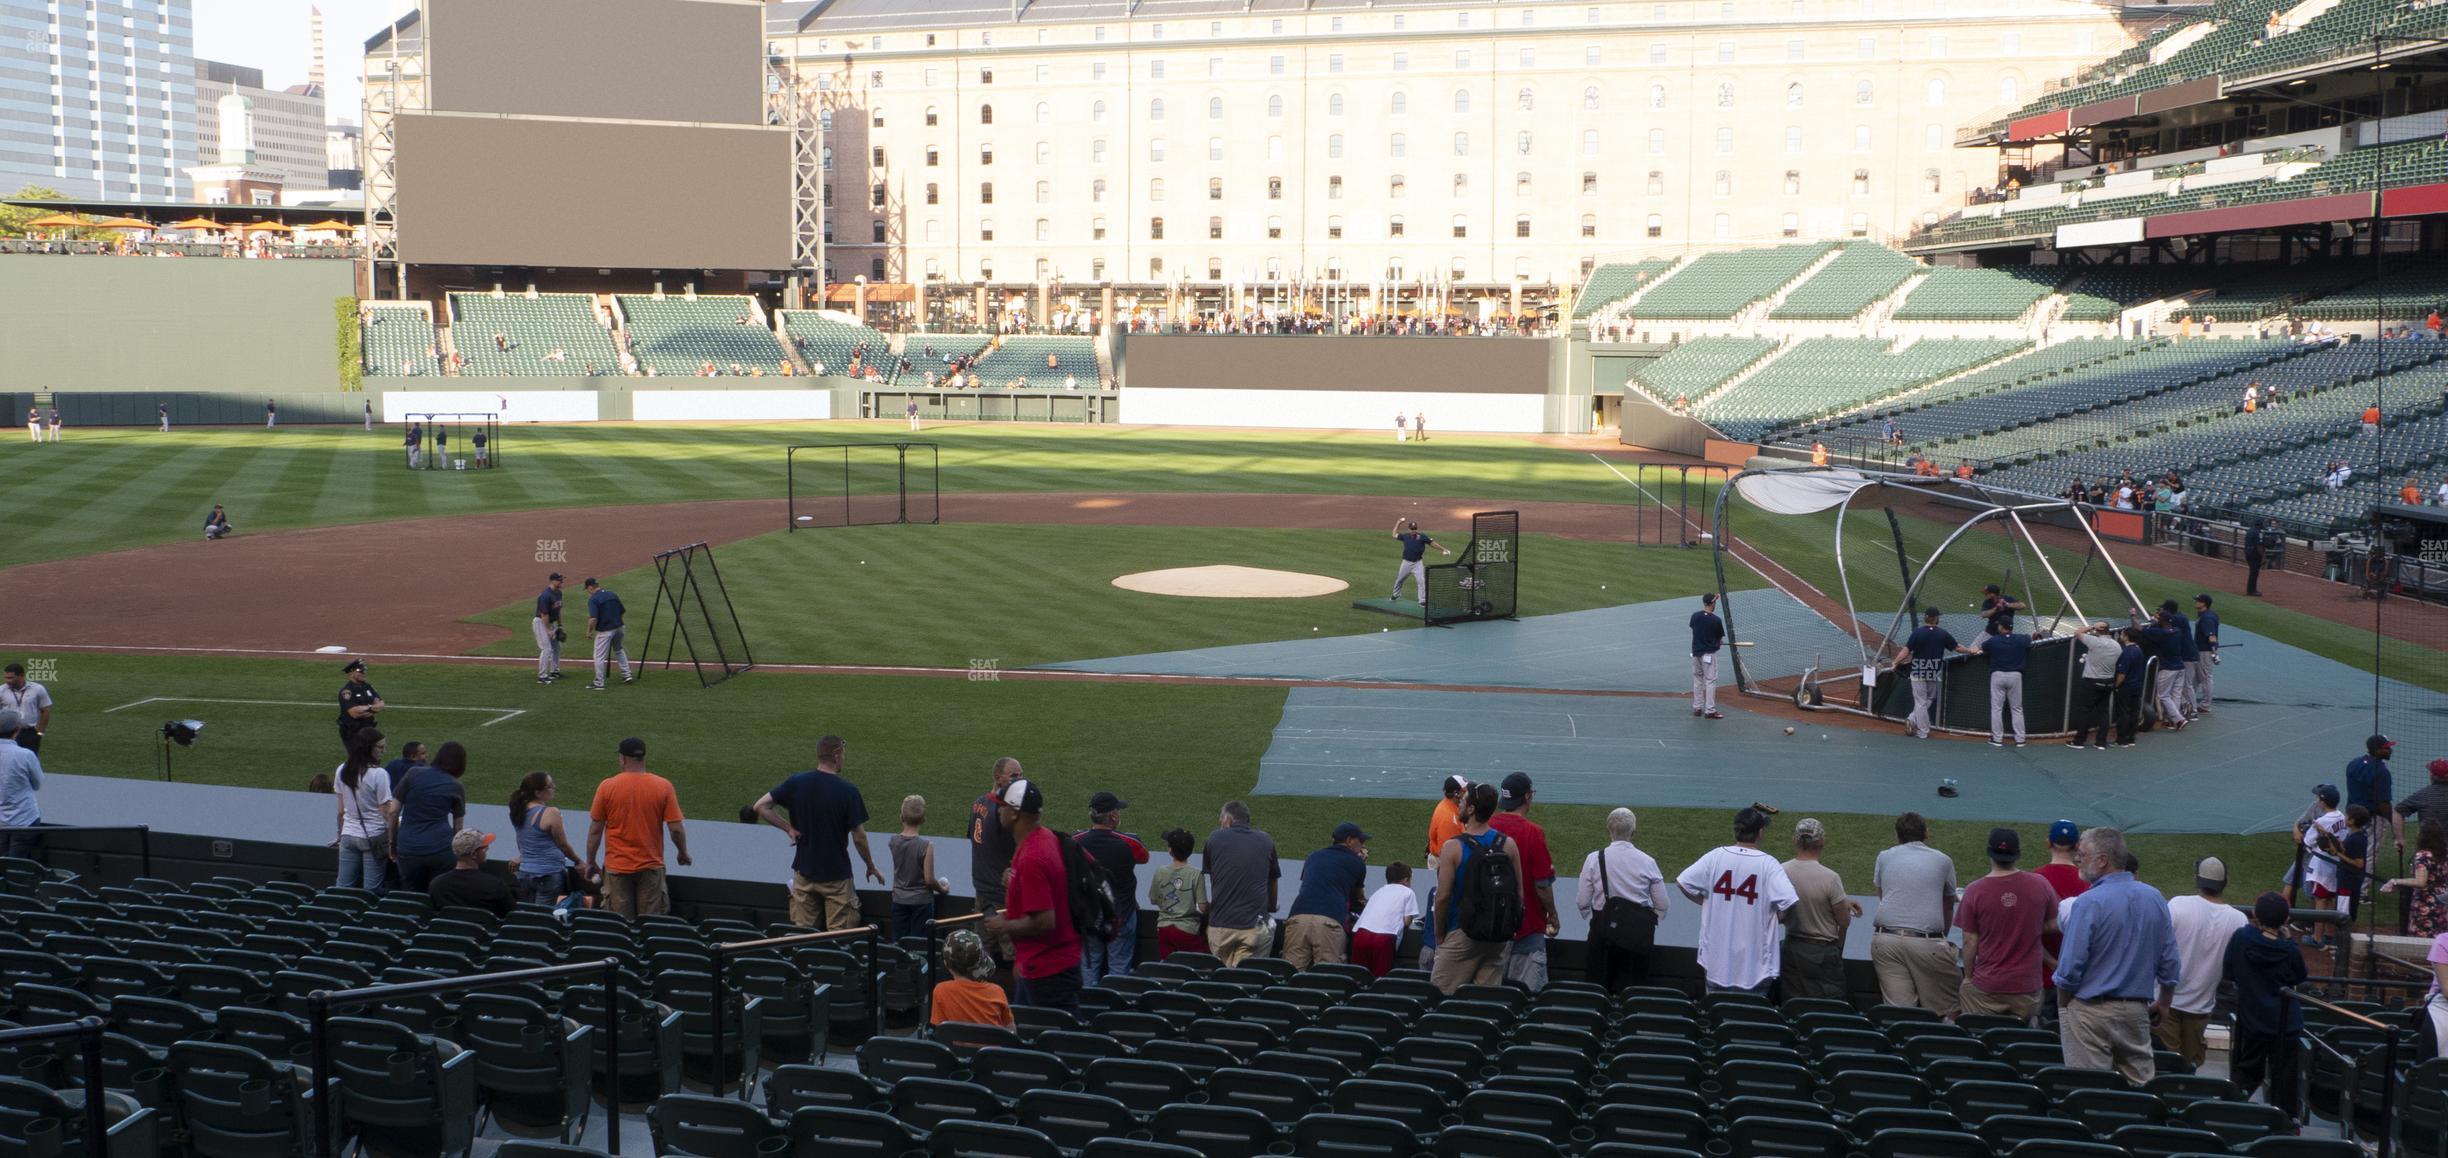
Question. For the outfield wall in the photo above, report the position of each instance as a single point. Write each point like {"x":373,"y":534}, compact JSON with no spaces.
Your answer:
{"x":78,"y":324}
{"x":1341,"y":382}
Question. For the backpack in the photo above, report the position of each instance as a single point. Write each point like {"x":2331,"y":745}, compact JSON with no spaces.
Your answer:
{"x":1488,"y":902}
{"x":1096,"y":911}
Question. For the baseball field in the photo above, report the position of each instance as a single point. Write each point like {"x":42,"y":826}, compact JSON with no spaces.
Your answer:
{"x":429,"y":575}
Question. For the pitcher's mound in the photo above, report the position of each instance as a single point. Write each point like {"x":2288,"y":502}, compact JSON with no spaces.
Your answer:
{"x":1225,"y":581}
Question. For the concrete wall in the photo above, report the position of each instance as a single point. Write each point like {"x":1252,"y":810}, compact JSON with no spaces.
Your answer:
{"x":188,"y":324}
{"x":1460,"y":384}
{"x":622,"y":399}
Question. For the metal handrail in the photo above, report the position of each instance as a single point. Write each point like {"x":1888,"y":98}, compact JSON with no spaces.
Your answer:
{"x":723,"y":952}
{"x":2348,"y":1089}
{"x":88,"y":1031}
{"x":321,"y":1002}
{"x":144,"y":837}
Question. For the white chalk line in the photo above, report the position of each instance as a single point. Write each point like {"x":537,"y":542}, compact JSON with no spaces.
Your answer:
{"x":499,"y":714}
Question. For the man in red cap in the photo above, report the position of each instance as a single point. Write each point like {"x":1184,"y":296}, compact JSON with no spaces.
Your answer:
{"x":2431,"y":798}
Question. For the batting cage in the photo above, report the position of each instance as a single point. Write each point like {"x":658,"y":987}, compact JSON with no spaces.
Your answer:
{"x":469,"y":441}
{"x":856,"y":484}
{"x":1483,"y":581}
{"x":693,"y":617}
{"x":1852,"y":559}
{"x":1672,"y":502}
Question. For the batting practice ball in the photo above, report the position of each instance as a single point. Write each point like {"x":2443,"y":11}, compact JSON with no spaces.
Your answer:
{"x":1789,"y":729}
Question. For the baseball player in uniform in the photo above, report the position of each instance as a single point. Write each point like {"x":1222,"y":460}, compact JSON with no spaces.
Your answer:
{"x":33,"y":424}
{"x":359,"y":703}
{"x":2205,"y":644}
{"x":416,"y":445}
{"x":604,"y":620}
{"x":548,"y":633}
{"x":32,"y":703}
{"x":271,"y":414}
{"x":1708,"y":635}
{"x":1414,"y":550}
{"x":54,"y":431}
{"x":163,"y":409}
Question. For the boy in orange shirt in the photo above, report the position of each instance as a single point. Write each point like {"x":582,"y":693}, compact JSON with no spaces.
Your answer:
{"x":967,"y":993}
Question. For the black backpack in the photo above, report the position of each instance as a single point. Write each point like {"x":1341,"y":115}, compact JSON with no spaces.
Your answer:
{"x":1488,"y":901}
{"x":1095,"y":909}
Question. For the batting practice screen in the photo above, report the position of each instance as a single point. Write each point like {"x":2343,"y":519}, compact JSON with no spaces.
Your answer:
{"x":857,"y":484}
{"x":1483,"y":581}
{"x":693,"y":616}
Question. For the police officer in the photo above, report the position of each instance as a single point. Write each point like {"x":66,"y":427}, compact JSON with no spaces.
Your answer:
{"x":548,"y":633}
{"x":358,"y":703}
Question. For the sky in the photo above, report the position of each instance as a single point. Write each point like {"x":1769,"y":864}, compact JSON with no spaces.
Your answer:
{"x":273,"y":35}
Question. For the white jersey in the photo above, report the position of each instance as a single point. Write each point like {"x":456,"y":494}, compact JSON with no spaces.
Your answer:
{"x":1741,"y":892}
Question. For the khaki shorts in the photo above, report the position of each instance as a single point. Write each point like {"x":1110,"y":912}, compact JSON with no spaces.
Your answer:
{"x":828,"y":905}
{"x":1312,"y":940}
{"x":2181,"y":1033}
{"x":1233,"y":946}
{"x":2015,"y":1005}
{"x":638,"y":894}
{"x":1916,"y":971}
{"x":1461,"y":961}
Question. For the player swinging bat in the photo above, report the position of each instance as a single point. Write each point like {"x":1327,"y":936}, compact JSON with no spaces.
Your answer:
{"x":1415,"y":546}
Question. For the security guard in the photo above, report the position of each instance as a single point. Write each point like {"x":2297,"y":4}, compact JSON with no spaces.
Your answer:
{"x":358,"y":704}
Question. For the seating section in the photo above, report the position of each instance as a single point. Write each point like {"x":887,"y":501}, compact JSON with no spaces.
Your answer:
{"x":825,"y":342}
{"x":684,"y":335}
{"x":1024,"y":357}
{"x":1822,"y":375}
{"x":1861,"y":275}
{"x":2396,"y":297}
{"x":2025,"y":369}
{"x":398,"y":339}
{"x":554,"y":335}
{"x":2102,"y":294}
{"x":1723,"y":284}
{"x":1977,"y":295}
{"x":1614,"y":282}
{"x":1700,"y":365}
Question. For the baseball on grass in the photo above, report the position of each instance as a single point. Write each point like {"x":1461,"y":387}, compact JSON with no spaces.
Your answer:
{"x":1789,"y":729}
{"x":1823,"y":735}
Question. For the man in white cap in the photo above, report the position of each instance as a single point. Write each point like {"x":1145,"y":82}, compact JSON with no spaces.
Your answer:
{"x":1037,"y":906}
{"x":467,"y":883}
{"x":2204,"y":924}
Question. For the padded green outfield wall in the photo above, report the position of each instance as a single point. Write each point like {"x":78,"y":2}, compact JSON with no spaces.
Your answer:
{"x":76,"y":324}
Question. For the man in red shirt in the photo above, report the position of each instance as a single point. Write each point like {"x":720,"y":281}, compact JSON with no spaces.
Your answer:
{"x":2003,"y":916}
{"x":1526,"y":958}
{"x":2063,"y":877}
{"x":1037,"y":906}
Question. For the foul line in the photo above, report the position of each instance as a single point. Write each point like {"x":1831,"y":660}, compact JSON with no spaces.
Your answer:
{"x":499,"y":714}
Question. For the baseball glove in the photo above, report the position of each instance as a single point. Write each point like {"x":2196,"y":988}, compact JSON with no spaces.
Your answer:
{"x":560,"y":635}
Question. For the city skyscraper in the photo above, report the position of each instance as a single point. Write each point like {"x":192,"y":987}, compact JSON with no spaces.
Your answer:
{"x":98,"y":101}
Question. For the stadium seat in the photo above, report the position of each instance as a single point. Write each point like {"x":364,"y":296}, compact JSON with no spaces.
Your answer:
{"x":1419,"y":1109}
{"x":2164,"y":1141}
{"x":37,"y":1120}
{"x":531,"y":1065}
{"x":1217,"y":1131}
{"x":648,"y":1051}
{"x":798,"y":1010}
{"x":235,"y":1104}
{"x":974,"y":1139}
{"x":2006,"y":1132}
{"x":1134,"y":1148}
{"x":852,"y":1131}
{"x":1073,"y":1119}
{"x":1281,"y":1097}
{"x":709,"y":1127}
{"x":401,"y":1091}
{"x":1786,"y":1138}
{"x":1483,"y":1142}
{"x":1976,"y":1102}
{"x":1647,"y":1125}
{"x":1927,"y":1144}
{"x":1872,"y":1121}
{"x":791,"y":1088}
{"x":526,"y":1149}
{"x":2236,"y":1122}
{"x":927,"y":1102}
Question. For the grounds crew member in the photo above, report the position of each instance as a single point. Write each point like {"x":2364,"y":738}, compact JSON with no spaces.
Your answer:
{"x":359,"y":703}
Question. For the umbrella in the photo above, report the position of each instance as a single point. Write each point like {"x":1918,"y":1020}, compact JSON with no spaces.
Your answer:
{"x":58,"y":221}
{"x":331,"y":224}
{"x":266,"y":227}
{"x":124,"y":223}
{"x":196,"y":223}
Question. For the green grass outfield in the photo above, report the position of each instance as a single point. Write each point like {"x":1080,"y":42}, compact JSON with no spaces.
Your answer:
{"x":1176,"y":752}
{"x":1026,"y":595}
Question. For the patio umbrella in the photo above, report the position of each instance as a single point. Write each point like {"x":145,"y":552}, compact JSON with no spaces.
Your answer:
{"x":124,"y":223}
{"x":58,"y":221}
{"x":340,"y":226}
{"x":196,"y":223}
{"x":266,"y":227}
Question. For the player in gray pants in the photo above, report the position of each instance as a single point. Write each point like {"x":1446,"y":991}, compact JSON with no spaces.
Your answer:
{"x":604,"y":620}
{"x":548,"y":634}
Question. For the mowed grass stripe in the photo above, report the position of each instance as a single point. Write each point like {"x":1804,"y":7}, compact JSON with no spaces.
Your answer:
{"x":94,"y":522}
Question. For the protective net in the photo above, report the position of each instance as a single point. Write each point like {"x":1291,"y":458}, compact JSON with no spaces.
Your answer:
{"x":692,"y":616}
{"x":861,"y":484}
{"x":1483,"y":581}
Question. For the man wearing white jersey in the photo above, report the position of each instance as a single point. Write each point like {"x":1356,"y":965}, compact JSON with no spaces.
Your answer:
{"x":1741,"y":892}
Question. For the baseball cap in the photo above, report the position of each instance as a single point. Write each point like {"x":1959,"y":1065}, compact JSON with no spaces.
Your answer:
{"x":2210,"y":873}
{"x":2005,"y":844}
{"x":2168,"y":605}
{"x":554,"y":577}
{"x":2377,"y":743}
{"x":1991,"y":589}
{"x":10,"y":721}
{"x":1347,"y":831}
{"x":2325,"y":793}
{"x":1456,"y":783}
{"x":468,"y":840}
{"x":1708,"y":598}
{"x":1516,"y":786}
{"x":2270,"y":909}
{"x":1107,"y":802}
{"x":1023,"y":796}
{"x":633,"y":748}
{"x":353,"y":665}
{"x":1809,"y":828}
{"x":2439,"y":769}
{"x":2064,"y":834}
{"x":590,"y":581}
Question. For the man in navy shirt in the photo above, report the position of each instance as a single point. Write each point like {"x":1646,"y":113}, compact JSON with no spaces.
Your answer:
{"x":824,"y":811}
{"x":415,"y":443}
{"x":1331,"y":890}
{"x":1414,"y":549}
{"x":2166,"y":639}
{"x":2370,"y":784}
{"x":2130,"y":668}
{"x":1999,"y":607}
{"x":548,"y":633}
{"x":1925,"y":650}
{"x":2009,"y":652}
{"x":604,"y":626}
{"x":2205,"y":650}
{"x":1708,"y":635}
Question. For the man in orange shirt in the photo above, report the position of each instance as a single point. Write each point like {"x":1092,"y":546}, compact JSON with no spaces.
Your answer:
{"x":2371,"y":420}
{"x":1963,"y":468}
{"x":1446,"y":820}
{"x":2410,"y":494}
{"x":1818,"y":453}
{"x":630,"y":813}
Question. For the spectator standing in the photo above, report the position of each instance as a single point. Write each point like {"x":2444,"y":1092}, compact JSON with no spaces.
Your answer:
{"x":968,"y":994}
{"x":1908,"y":946}
{"x":32,"y":703}
{"x":1621,"y":896}
{"x":631,"y":812}
{"x":914,"y":883}
{"x":1120,"y":854}
{"x":990,"y":848}
{"x":2426,"y":915}
{"x":1378,"y":934}
{"x":2099,"y":672}
{"x":20,"y":779}
{"x":2009,"y":653}
{"x":1036,"y":912}
{"x":411,"y":754}
{"x":1179,"y":892}
{"x":1463,"y":883}
{"x":1526,"y":962}
{"x":823,"y":810}
{"x":2065,"y":879}
{"x":1242,"y":875}
{"x":1333,"y":886}
{"x":544,"y":852}
{"x":2204,"y":925}
{"x":2263,"y":964}
{"x":2430,"y":799}
{"x":2322,"y":817}
{"x":2004,"y":917}
{"x":361,"y":791}
{"x":2119,"y":949}
{"x":1446,"y":819}
{"x":1708,"y":636}
{"x":1925,"y":650}
{"x":2205,"y":651}
{"x":1812,"y":960}
{"x":2370,"y":784}
{"x":467,"y":883}
{"x":1743,"y":893}
{"x":432,"y":804}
